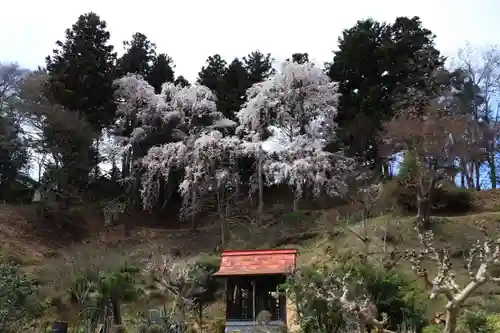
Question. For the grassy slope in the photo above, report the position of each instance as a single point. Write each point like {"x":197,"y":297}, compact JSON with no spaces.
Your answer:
{"x":313,"y":233}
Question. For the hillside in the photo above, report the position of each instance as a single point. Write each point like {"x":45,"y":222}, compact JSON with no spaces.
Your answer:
{"x":314,"y":233}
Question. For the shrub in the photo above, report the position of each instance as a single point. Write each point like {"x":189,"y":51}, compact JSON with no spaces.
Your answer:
{"x":474,"y":322}
{"x":493,"y":321}
{"x":155,"y":329}
{"x":18,"y":298}
{"x":218,"y":326}
{"x":446,"y":200}
{"x":434,"y":328}
{"x":392,"y":293}
{"x":316,"y":314}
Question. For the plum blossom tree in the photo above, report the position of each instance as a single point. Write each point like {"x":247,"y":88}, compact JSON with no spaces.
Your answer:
{"x":481,"y":263}
{"x":344,"y":297}
{"x":299,"y":105}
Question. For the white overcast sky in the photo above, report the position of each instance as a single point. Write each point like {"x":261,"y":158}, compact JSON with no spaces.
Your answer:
{"x":191,"y":30}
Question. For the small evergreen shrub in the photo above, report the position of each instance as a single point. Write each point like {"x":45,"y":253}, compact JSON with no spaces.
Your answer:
{"x":446,"y":200}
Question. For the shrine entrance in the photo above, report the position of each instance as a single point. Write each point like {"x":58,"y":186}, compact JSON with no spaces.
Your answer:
{"x":252,"y":279}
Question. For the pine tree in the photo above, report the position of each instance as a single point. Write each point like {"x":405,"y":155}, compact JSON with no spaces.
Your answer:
{"x":182,"y":81}
{"x":235,"y":84}
{"x":300,"y":58}
{"x":162,"y":71}
{"x":139,"y":55}
{"x":82,"y":69}
{"x":259,"y":66}
{"x":212,"y":74}
{"x":81,"y":73}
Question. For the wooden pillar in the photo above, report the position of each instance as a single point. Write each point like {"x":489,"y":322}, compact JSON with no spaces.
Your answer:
{"x":253,"y":300}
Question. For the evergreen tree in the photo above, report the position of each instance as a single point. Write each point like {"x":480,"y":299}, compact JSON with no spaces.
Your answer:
{"x":259,"y":66}
{"x":300,"y":58}
{"x":80,"y":79}
{"x":139,"y":55}
{"x":162,"y":71}
{"x":182,"y":81}
{"x":375,"y":64}
{"x":82,"y":69}
{"x":235,"y":84}
{"x":211,"y":75}
{"x":13,"y":152}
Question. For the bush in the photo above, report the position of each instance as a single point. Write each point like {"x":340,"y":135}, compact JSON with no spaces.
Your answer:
{"x":446,"y":200}
{"x":317,"y":315}
{"x":434,"y":328}
{"x":18,"y":299}
{"x":474,"y":322}
{"x":392,"y":293}
{"x":493,"y":321}
{"x":218,"y":326}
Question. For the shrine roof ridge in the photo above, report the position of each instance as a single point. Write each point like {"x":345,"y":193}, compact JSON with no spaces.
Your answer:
{"x":257,"y":252}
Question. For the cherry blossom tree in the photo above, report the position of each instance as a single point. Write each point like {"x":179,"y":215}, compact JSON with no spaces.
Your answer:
{"x":165,"y":127}
{"x":299,"y":105}
{"x":212,"y":169}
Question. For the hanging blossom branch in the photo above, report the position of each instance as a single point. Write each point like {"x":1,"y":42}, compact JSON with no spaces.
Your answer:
{"x":482,"y":256}
{"x":211,"y":167}
{"x":298,"y":105}
{"x":179,"y":116}
{"x":305,"y":165}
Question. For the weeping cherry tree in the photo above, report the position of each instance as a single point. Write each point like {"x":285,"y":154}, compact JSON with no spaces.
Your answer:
{"x":291,"y":115}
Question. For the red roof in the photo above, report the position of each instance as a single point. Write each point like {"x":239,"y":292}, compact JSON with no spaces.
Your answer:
{"x":257,"y":262}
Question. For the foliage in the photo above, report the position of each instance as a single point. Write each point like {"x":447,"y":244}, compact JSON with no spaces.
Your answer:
{"x":494,"y":322}
{"x":475,"y":322}
{"x":445,"y":200}
{"x":299,"y":105}
{"x":402,"y":55}
{"x":85,"y":52}
{"x":190,"y":284}
{"x":392,"y":293}
{"x":18,"y":299}
{"x":99,"y":289}
{"x":315,"y":312}
{"x":14,"y":153}
{"x":205,"y":286}
{"x":434,"y":328}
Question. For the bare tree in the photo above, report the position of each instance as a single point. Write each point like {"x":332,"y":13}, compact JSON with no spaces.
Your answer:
{"x":483,"y":256}
{"x":428,"y":135}
{"x":481,"y":67}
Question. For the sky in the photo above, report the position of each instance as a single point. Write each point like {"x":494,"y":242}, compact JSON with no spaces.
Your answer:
{"x":191,"y":30}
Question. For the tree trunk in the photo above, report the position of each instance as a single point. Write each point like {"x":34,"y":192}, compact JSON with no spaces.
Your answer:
{"x":261,"y":186}
{"x":200,"y":314}
{"x":477,"y":168}
{"x":222,"y":219}
{"x":493,"y":170}
{"x":386,"y":169}
{"x":423,"y":210}
{"x":451,"y":320}
{"x":117,"y":315}
{"x":193,"y":210}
